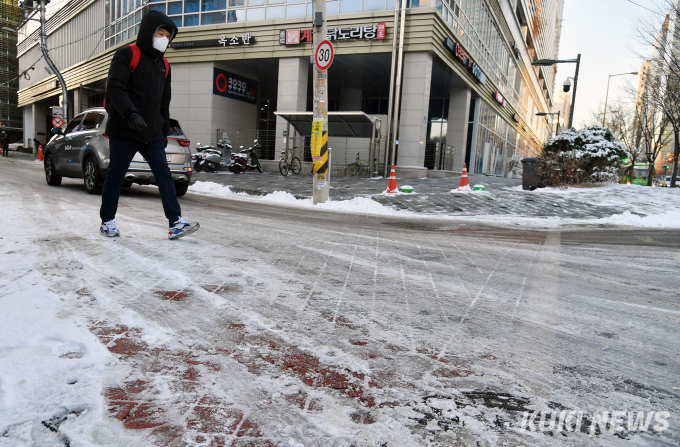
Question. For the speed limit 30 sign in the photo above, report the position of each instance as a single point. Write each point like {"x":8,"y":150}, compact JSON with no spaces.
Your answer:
{"x":323,"y":57}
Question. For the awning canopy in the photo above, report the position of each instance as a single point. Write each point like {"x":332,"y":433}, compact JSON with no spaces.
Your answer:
{"x":340,"y":124}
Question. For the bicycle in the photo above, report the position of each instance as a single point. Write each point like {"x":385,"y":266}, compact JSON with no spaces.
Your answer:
{"x":358,"y":167}
{"x":289,"y":163}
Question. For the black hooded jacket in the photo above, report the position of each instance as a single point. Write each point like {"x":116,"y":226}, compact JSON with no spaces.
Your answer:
{"x":146,"y":90}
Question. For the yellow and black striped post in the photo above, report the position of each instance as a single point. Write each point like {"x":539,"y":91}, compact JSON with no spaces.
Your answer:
{"x":319,"y":137}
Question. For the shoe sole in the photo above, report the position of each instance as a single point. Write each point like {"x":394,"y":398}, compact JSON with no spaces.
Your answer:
{"x":189,"y":231}
{"x":109,"y":235}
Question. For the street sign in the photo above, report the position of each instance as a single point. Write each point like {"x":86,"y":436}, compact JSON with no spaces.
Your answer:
{"x":58,"y":111}
{"x":57,"y":122}
{"x":323,"y":56}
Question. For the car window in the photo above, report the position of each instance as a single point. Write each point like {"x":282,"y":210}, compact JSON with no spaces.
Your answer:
{"x":91,"y":121}
{"x":74,"y":124}
{"x":175,"y":130}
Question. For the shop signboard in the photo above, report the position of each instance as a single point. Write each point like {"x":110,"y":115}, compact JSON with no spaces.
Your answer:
{"x":221,"y":41}
{"x":298,"y":36}
{"x":499,"y":98}
{"x":234,"y":86}
{"x":457,"y":50}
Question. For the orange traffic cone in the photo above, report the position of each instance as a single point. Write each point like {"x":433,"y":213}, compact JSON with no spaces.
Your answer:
{"x":464,"y":184}
{"x":40,"y":153}
{"x":392,"y":184}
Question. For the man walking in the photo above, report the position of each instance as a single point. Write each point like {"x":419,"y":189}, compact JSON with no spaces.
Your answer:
{"x":138,"y":103}
{"x":5,"y":146}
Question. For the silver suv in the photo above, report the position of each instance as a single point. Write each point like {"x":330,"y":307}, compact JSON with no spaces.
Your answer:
{"x":81,"y":150}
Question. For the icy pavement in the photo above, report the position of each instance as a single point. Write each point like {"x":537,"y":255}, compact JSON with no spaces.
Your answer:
{"x":278,"y":325}
{"x":504,"y":201}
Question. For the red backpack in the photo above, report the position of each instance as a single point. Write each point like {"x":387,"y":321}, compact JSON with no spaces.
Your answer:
{"x":136,"y":54}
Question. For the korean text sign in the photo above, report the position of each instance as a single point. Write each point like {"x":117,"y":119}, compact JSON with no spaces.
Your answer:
{"x":234,"y":86}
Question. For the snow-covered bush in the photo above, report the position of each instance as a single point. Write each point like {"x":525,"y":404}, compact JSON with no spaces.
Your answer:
{"x":591,"y":154}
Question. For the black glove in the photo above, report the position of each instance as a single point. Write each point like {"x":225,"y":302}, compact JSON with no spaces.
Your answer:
{"x":136,"y":122}
{"x":165,"y":142}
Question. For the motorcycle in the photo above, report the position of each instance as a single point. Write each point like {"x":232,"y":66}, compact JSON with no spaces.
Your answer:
{"x":209,"y":158}
{"x":239,"y":161}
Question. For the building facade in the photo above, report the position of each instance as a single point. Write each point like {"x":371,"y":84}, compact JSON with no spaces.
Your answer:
{"x":469,"y":92}
{"x":10,"y":115}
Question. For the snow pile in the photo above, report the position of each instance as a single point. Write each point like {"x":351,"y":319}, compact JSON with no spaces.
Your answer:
{"x":355,"y":205}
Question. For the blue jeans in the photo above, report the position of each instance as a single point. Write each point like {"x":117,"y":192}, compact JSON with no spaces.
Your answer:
{"x":121,"y":153}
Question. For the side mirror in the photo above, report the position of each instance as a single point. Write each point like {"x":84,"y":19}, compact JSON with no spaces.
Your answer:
{"x":57,"y":131}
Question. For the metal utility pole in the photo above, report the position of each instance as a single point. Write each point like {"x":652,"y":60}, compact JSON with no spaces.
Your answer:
{"x":48,"y":59}
{"x":397,"y":92}
{"x":323,"y":57}
{"x":573,"y":95}
{"x":391,"y":96}
{"x":606,"y":99}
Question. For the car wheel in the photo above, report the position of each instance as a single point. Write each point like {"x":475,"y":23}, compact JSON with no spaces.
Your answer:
{"x":51,"y":172}
{"x":181,"y":188}
{"x":91,"y":178}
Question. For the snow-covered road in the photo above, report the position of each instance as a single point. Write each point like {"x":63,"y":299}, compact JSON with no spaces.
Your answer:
{"x":288,"y":326}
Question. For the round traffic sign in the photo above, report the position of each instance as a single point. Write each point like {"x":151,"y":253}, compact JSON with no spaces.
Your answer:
{"x":323,"y":56}
{"x":57,"y":122}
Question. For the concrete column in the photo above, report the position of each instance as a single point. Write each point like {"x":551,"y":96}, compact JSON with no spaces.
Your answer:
{"x":457,"y":130}
{"x":28,"y":125}
{"x":80,"y":100}
{"x":292,"y":92}
{"x":350,"y":99}
{"x":39,"y":123}
{"x":415,"y":103}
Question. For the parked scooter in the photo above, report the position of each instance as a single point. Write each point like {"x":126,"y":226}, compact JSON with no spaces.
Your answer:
{"x":209,"y":158}
{"x":239,"y":161}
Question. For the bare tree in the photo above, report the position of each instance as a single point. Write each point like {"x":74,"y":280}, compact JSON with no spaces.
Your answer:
{"x":623,"y":121}
{"x":655,"y":129}
{"x":662,"y":89}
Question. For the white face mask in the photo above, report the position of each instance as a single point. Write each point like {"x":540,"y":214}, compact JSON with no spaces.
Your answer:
{"x":161,"y":43}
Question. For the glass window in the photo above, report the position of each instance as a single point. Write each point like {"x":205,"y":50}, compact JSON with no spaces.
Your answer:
{"x":136,"y":29}
{"x":296,"y":10}
{"x":236,"y":15}
{"x":90,"y":121}
{"x":177,"y":20}
{"x":191,"y":6}
{"x":236,"y":2}
{"x":125,"y":36}
{"x":256,"y":14}
{"x":159,"y":7}
{"x":213,"y":18}
{"x":255,"y":2}
{"x":138,"y":16}
{"x":213,"y":5}
{"x":374,"y":5}
{"x":331,"y":7}
{"x":350,"y":6}
{"x":74,"y":122}
{"x":118,"y":36}
{"x":274,"y":1}
{"x":190,"y":20}
{"x":276,"y":12}
{"x":175,"y":8}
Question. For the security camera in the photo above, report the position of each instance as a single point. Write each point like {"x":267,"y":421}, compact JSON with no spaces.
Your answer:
{"x":566,"y":86}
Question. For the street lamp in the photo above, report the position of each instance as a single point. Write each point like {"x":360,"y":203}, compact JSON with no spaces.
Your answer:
{"x":551,"y":124}
{"x":550,"y":62}
{"x":607,"y":97}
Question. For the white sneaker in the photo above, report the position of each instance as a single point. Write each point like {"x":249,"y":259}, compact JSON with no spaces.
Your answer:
{"x":110,"y":228}
{"x":181,"y":228}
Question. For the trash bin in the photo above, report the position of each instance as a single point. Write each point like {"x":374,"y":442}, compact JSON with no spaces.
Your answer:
{"x":530,"y":174}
